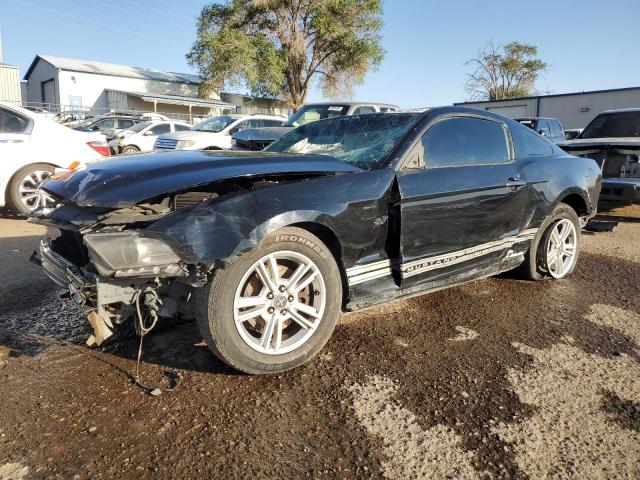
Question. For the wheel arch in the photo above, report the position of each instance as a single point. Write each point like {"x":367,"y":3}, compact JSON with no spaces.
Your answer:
{"x":331,"y":240}
{"x":577,"y":200}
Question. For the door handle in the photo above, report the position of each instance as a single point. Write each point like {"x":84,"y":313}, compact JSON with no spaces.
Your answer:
{"x":515,"y":183}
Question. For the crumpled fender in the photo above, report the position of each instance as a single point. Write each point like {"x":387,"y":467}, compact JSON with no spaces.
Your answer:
{"x":220,"y":229}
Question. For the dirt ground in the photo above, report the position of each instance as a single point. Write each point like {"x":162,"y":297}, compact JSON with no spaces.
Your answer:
{"x":499,"y":378}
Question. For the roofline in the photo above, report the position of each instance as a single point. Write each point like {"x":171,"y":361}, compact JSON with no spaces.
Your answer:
{"x":354,"y":104}
{"x":39,"y":57}
{"x":6,"y":65}
{"x":533,"y":97}
{"x":171,"y":99}
{"x":33,"y":65}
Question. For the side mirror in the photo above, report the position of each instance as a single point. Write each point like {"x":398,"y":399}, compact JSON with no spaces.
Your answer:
{"x":233,"y":131}
{"x":570,"y":135}
{"x":95,"y":128}
{"x":542,"y":132}
{"x":148,"y":133}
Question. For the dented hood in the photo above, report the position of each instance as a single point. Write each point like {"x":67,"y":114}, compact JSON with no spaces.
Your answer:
{"x":128,"y":180}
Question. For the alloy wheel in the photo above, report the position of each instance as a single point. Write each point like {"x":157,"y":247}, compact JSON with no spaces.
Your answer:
{"x":561,"y":248}
{"x":279,"y":302}
{"x":31,"y":196}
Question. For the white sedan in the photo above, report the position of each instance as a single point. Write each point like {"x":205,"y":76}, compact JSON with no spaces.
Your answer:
{"x":31,"y":148}
{"x":214,"y":133}
{"x":141,"y":136}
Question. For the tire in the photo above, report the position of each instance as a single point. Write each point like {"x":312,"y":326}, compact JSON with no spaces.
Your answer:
{"x":21,"y":193}
{"x":129,"y":149}
{"x":536,"y":264}
{"x":246,"y":346}
{"x":212,"y":149}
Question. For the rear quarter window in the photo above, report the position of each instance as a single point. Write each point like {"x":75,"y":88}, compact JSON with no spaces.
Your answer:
{"x":529,"y":143}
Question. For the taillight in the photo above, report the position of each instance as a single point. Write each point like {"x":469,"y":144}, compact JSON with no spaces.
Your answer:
{"x":101,"y":147}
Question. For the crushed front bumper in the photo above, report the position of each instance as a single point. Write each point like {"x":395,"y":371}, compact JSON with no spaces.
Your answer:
{"x":82,"y":291}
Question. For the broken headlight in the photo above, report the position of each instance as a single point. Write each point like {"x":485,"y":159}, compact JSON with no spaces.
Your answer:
{"x":127,"y":254}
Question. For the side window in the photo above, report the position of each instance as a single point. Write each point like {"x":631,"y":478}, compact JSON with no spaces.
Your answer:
{"x":12,"y":122}
{"x":388,"y":109}
{"x":103,"y":124}
{"x":533,"y":144}
{"x":465,"y":141}
{"x":240,"y":126}
{"x":181,"y":128}
{"x":556,"y":129}
{"x":125,"y":123}
{"x":160,"y":129}
{"x":273,"y":123}
{"x":543,"y":128}
{"x":364,"y":110}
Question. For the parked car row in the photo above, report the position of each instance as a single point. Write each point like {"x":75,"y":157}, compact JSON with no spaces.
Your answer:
{"x":142,"y":136}
{"x":31,"y":147}
{"x":214,"y":133}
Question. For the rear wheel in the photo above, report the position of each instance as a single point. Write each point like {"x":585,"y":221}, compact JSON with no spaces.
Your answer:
{"x":130,"y":149}
{"x":555,"y":249}
{"x":23,"y":193}
{"x":275,"y":307}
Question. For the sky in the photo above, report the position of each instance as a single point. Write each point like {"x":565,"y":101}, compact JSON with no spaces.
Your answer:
{"x":588,"y":44}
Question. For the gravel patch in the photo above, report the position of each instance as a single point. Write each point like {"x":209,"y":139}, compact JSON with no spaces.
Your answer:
{"x":13,"y":471}
{"x":571,"y":435}
{"x":412,"y":452}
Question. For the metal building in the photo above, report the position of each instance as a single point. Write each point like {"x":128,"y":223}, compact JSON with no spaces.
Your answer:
{"x":574,"y":110}
{"x":62,"y":84}
{"x":10,"y":83}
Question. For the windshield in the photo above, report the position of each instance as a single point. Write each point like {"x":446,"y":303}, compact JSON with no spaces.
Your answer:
{"x":214,"y":124}
{"x":313,"y":113}
{"x":363,"y":141}
{"x":614,"y":124}
{"x":138,"y":127}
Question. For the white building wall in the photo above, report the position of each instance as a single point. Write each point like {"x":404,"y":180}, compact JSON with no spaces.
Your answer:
{"x":10,"y":84}
{"x":89,"y":89}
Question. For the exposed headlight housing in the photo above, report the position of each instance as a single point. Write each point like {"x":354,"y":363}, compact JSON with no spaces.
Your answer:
{"x":182,"y":144}
{"x":127,"y":254}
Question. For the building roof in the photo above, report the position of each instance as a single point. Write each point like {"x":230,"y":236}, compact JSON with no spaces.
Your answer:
{"x":102,"y":68}
{"x":626,"y":89}
{"x":176,"y":99}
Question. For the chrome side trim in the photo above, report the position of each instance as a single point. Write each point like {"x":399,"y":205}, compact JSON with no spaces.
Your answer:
{"x":375,"y":270}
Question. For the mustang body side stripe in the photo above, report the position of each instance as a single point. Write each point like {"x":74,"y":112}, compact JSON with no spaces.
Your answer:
{"x":382,"y":268}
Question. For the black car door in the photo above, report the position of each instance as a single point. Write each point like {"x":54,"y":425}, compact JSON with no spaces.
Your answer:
{"x":464,"y":207}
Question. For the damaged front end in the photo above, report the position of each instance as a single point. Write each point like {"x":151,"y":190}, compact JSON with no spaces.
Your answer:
{"x":115,"y":275}
{"x":140,"y":235}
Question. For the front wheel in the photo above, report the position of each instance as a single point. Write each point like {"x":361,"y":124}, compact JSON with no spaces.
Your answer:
{"x":555,"y":249}
{"x":275,"y":307}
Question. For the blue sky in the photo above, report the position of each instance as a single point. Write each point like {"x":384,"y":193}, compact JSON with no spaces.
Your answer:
{"x":589,"y":44}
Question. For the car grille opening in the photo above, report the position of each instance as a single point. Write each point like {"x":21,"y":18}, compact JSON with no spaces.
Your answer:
{"x":166,"y":144}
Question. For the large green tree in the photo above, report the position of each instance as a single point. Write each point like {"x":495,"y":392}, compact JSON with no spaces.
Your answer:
{"x":504,"y":71}
{"x":279,"y":47}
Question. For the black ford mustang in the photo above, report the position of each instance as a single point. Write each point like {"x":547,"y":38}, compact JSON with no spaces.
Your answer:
{"x":265,"y":249}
